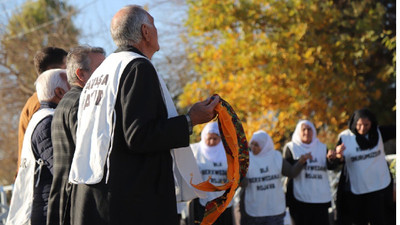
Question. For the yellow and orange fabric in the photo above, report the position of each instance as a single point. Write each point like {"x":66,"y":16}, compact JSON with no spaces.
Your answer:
{"x":237,"y":154}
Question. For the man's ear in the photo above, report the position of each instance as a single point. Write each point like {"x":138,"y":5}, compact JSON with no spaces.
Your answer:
{"x":79,"y":74}
{"x":145,"y":32}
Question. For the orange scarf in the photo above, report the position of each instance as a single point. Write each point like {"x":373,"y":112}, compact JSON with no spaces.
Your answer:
{"x":237,"y":154}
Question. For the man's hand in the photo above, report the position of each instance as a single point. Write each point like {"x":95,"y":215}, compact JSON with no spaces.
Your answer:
{"x":202,"y":112}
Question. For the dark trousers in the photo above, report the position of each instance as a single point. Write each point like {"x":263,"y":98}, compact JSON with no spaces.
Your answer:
{"x":363,"y":209}
{"x":309,"y":214}
{"x":226,"y":218}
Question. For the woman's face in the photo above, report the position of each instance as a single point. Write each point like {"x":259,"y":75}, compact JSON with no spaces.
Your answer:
{"x":363,"y":125}
{"x":255,"y":147}
{"x":212,"y":139}
{"x":306,"y":134}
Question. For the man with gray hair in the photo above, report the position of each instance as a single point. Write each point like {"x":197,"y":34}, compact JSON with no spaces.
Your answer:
{"x":33,"y":182}
{"x":131,"y":142}
{"x":82,"y":61}
{"x":46,"y":58}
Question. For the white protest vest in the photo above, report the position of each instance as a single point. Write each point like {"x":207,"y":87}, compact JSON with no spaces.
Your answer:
{"x":22,"y":196}
{"x":216,"y":170}
{"x":367,"y":169}
{"x":312,"y":184}
{"x":95,"y":131}
{"x":264,"y":195}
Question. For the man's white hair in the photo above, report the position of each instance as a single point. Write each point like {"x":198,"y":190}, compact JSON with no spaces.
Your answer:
{"x":48,"y":81}
{"x":128,"y":29}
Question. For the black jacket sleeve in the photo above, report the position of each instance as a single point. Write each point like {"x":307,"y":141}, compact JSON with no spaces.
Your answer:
{"x":290,"y":170}
{"x":287,"y":154}
{"x":140,"y":104}
{"x":387,"y":132}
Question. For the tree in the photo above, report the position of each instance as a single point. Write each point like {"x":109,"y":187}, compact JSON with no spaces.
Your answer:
{"x":280,"y":61}
{"x":36,"y":25}
{"x":385,"y":61}
{"x":171,"y":61}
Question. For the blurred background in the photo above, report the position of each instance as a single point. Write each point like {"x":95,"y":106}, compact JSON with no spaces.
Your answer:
{"x":275,"y":62}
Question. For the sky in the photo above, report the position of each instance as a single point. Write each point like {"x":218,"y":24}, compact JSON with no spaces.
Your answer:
{"x":94,"y":17}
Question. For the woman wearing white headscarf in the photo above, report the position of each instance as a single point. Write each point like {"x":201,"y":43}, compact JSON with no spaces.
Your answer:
{"x":211,"y":159}
{"x":308,"y":195}
{"x":264,"y":199}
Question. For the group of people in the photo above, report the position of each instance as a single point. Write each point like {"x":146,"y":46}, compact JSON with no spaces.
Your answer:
{"x":46,"y":131}
{"x":101,"y":142}
{"x":365,"y":189}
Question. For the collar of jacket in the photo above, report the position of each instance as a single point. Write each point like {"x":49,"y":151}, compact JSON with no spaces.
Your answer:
{"x":44,"y":105}
{"x":129,"y":48}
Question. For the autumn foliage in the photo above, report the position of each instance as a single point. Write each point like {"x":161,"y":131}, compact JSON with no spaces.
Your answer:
{"x":37,"y":24}
{"x":277,"y":62}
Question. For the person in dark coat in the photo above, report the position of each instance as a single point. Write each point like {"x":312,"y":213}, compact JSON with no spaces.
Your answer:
{"x":127,"y":127}
{"x":365,"y":187}
{"x":41,"y":141}
{"x":30,"y":196}
{"x":82,"y":61}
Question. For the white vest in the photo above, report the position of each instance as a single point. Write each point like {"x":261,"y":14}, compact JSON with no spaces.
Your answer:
{"x":367,"y":169}
{"x":95,"y":131}
{"x":264,"y":195}
{"x":217,"y":172}
{"x":312,"y":184}
{"x":22,"y":196}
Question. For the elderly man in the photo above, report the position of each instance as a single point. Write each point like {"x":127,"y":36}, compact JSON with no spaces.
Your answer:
{"x":33,"y":182}
{"x":45,"y":59}
{"x":82,"y":61}
{"x":127,"y":127}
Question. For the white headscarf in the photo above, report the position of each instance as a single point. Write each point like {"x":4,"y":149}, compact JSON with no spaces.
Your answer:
{"x":212,"y":153}
{"x":264,"y":141}
{"x":296,"y":139}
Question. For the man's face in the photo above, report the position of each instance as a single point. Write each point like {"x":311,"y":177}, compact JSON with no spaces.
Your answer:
{"x":95,"y":60}
{"x":153,"y":34}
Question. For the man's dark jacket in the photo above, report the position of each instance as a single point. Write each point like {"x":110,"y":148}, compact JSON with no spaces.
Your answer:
{"x":42,"y":149}
{"x":63,"y":135}
{"x":140,"y":188}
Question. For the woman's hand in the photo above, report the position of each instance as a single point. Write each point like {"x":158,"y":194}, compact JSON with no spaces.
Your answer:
{"x":303,"y":158}
{"x":331,"y":154}
{"x":339,"y":151}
